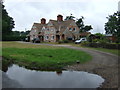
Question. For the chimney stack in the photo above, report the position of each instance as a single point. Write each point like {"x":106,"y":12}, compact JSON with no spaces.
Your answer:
{"x":59,"y":18}
{"x":43,"y":21}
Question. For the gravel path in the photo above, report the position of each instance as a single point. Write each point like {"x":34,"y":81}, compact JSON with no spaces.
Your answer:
{"x":103,"y":64}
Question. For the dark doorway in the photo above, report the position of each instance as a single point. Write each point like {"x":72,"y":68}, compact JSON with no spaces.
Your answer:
{"x":41,"y":38}
{"x":57,"y":38}
{"x":63,"y":37}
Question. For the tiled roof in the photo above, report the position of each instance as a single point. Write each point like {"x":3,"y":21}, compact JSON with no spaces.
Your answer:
{"x":39,"y":26}
{"x":62,"y":25}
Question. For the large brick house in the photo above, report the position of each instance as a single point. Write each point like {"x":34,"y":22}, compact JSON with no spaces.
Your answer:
{"x":55,"y":30}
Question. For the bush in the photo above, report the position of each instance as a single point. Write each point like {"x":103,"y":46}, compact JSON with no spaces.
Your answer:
{"x":85,"y":43}
{"x":60,"y":41}
{"x":13,"y":38}
{"x":101,"y":45}
{"x":65,"y":41}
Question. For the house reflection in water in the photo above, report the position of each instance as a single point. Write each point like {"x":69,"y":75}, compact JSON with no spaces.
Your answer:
{"x":59,"y":72}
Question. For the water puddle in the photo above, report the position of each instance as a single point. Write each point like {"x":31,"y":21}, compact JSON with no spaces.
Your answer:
{"x":48,"y":79}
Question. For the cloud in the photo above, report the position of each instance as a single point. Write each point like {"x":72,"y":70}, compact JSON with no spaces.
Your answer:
{"x":25,"y":12}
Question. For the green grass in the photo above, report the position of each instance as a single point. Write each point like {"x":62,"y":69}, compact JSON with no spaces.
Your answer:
{"x":112,"y":51}
{"x":42,"y":56}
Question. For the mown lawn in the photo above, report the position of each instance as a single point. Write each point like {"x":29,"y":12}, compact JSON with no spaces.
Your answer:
{"x":44,"y":57}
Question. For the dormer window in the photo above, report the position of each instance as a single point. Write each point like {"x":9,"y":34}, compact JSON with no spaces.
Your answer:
{"x":74,"y":29}
{"x":34,"y":27}
{"x":70,"y":29}
{"x":43,"y":28}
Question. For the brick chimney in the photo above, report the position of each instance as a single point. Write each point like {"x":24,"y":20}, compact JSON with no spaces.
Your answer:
{"x":43,"y":21}
{"x":59,"y":18}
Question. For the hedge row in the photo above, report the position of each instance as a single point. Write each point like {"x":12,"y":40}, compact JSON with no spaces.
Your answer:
{"x":13,"y":38}
{"x":102,"y":45}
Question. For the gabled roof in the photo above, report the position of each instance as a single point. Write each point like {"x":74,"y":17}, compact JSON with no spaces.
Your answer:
{"x":62,"y":25}
{"x":39,"y":26}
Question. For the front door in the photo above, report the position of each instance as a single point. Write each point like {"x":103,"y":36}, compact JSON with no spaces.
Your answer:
{"x":57,"y":38}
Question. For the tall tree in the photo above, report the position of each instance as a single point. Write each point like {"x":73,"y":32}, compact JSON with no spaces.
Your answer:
{"x":82,"y":27}
{"x":87,"y":28}
{"x":7,"y":22}
{"x":113,"y":25}
{"x":80,"y":24}
{"x":71,"y":17}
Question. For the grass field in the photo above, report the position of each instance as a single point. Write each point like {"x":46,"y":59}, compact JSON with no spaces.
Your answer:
{"x":112,"y":51}
{"x":44,"y":57}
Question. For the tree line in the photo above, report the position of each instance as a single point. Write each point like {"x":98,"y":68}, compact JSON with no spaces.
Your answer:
{"x":7,"y":26}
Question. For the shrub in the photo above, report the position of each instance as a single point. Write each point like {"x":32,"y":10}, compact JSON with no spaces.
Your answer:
{"x":101,"y":45}
{"x":65,"y":41}
{"x":60,"y":41}
{"x":85,"y":43}
{"x":13,"y":38}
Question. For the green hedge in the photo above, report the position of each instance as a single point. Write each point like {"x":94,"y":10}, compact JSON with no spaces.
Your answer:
{"x":63,"y":41}
{"x":101,"y":45}
{"x":12,"y":38}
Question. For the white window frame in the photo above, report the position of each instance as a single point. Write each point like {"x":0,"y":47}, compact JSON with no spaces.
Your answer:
{"x":47,"y":37}
{"x":70,"y":29}
{"x":52,"y":37}
{"x":74,"y":28}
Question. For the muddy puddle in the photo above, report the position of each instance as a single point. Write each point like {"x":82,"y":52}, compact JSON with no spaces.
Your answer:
{"x":51,"y":79}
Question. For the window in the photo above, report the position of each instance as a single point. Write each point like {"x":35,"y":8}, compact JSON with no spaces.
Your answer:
{"x":34,"y":26}
{"x":74,"y":29}
{"x":52,"y":38}
{"x":47,"y":37}
{"x":43,"y":28}
{"x":70,"y":29}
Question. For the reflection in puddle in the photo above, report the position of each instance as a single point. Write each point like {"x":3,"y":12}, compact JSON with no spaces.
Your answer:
{"x":61,"y":79}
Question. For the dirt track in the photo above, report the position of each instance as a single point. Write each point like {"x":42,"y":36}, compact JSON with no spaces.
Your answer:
{"x":103,"y":64}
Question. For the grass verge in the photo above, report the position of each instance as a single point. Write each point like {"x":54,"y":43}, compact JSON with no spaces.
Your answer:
{"x":112,"y":51}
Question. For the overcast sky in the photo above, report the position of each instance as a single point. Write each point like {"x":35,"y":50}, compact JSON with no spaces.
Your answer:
{"x":26,"y":12}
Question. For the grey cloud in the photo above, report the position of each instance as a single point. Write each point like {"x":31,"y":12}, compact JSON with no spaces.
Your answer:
{"x":94,"y":11}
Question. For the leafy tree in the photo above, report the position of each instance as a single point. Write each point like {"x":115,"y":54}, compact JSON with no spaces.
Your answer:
{"x":71,"y":17}
{"x":87,"y":28}
{"x":81,"y":25}
{"x":7,"y":23}
{"x":113,"y":25}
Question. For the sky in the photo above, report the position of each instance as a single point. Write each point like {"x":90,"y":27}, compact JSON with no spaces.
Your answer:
{"x":26,"y":12}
